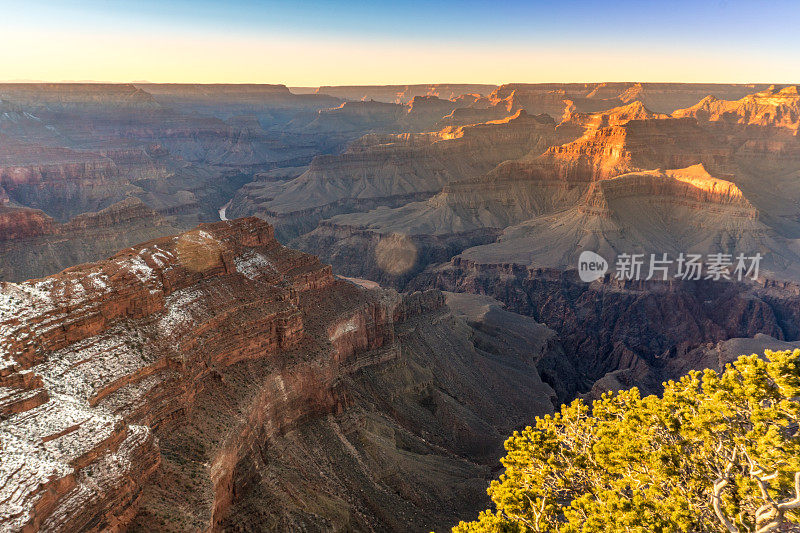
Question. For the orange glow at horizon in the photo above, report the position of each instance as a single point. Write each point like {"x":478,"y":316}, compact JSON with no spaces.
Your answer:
{"x":197,"y":58}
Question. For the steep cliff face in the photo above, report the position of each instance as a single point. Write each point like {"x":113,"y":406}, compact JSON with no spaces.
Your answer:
{"x":659,"y":212}
{"x":668,"y":97}
{"x":686,"y":185}
{"x":218,"y":369}
{"x":674,"y":211}
{"x":563,"y":183}
{"x":634,"y":145}
{"x":556,"y":98}
{"x":581,"y":123}
{"x":60,"y":181}
{"x":553,"y":99}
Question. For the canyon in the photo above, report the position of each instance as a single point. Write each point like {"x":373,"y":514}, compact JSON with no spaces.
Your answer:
{"x":630,"y":180}
{"x":253,"y":307}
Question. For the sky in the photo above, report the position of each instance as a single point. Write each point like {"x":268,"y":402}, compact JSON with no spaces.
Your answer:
{"x":333,"y":42}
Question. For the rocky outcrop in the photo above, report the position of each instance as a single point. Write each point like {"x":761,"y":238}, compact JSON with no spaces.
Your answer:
{"x":424,"y":112}
{"x":33,"y":245}
{"x":657,"y":212}
{"x":216,"y":380}
{"x":578,"y":123}
{"x":668,"y":97}
{"x":572,"y":179}
{"x":21,"y":223}
{"x":634,"y":145}
{"x":689,"y":185}
{"x":557,"y":98}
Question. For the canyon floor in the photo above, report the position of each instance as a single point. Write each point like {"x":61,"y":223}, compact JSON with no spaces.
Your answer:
{"x":250,"y":307}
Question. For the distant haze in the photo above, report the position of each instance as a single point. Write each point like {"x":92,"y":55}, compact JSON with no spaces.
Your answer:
{"x":356,"y":42}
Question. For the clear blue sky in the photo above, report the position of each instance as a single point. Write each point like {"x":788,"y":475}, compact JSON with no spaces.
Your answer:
{"x":337,"y":42}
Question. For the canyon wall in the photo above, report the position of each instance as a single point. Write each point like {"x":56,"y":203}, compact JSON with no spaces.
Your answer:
{"x":652,"y":331}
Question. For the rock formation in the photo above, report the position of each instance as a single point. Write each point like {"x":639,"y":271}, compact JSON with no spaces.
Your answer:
{"x":556,"y":98}
{"x":475,"y":211}
{"x":217,"y":380}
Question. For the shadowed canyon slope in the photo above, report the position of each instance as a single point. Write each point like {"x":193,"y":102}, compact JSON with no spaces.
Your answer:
{"x":220,"y":369}
{"x":392,"y":170}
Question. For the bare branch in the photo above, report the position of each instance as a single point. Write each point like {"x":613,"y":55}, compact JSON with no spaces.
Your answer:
{"x":794,"y":503}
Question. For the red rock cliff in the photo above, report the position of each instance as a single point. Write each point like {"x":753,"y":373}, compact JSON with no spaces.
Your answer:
{"x":149,"y":390}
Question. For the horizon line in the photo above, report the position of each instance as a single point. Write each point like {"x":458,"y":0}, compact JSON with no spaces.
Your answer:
{"x":377,"y":84}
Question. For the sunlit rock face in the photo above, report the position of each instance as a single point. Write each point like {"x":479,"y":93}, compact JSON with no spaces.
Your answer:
{"x":210,"y":366}
{"x":557,"y":98}
{"x":542,"y":183}
{"x":773,"y":107}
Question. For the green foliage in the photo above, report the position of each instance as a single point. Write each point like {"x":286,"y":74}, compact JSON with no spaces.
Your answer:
{"x":717,"y":452}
